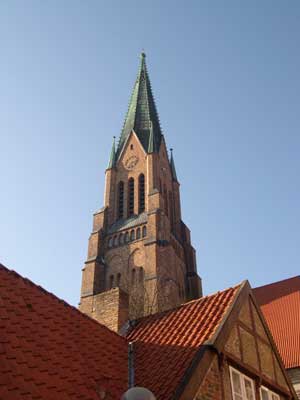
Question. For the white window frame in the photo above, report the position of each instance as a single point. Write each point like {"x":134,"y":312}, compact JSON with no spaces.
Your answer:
{"x":243,"y":377}
{"x":271,"y":395}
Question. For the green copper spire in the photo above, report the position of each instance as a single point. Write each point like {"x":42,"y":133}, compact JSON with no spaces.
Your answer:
{"x":112,"y":159}
{"x":172,"y":165}
{"x":151,"y":143}
{"x":142,"y":116}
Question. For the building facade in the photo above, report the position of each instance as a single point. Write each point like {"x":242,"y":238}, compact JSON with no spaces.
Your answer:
{"x":280,"y":304}
{"x":140,"y":250}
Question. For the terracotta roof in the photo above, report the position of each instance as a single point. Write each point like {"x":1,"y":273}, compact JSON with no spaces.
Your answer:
{"x":165,"y":344}
{"x":50,"y":350}
{"x":280,"y":304}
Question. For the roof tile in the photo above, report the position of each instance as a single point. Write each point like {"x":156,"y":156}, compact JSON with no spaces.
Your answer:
{"x":280,"y":304}
{"x":51,"y":350}
{"x":166,"y":343}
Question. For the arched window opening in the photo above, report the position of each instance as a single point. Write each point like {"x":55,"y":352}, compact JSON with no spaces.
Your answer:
{"x":166,"y":200}
{"x":133,"y":276}
{"x":126,"y":237}
{"x":111,"y":282}
{"x":141,"y":193}
{"x":110,"y":242}
{"x":121,"y":200}
{"x":141,"y":274}
{"x":138,"y":233}
{"x":121,"y":239}
{"x":118,"y":279}
{"x":116,"y":241}
{"x":130,"y":197}
{"x":132,"y":235}
{"x":144,"y":231}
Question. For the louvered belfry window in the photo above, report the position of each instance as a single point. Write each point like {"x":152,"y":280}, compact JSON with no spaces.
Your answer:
{"x":121,"y":200}
{"x":130,"y":197}
{"x":141,"y":193}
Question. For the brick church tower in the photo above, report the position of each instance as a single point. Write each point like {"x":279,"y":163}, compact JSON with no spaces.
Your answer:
{"x":140,"y":258}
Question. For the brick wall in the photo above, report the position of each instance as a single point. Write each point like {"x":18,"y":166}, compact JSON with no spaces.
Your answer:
{"x":211,"y":387}
{"x":110,"y":308}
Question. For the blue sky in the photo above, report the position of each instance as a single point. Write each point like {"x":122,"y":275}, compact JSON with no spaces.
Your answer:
{"x":226,"y":83}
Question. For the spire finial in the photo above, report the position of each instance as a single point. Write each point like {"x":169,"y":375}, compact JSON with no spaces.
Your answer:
{"x":143,"y":54}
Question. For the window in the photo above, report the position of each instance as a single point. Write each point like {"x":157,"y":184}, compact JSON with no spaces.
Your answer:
{"x":132,"y":235}
{"x":131,"y":147}
{"x":118,"y":279}
{"x":141,"y":274}
{"x":266,"y":394}
{"x":126,"y":237}
{"x":242,"y":386}
{"x":111,"y":282}
{"x":130,"y":197}
{"x":121,"y":239}
{"x":144,"y":231}
{"x":141,"y":193}
{"x":121,"y":200}
{"x":116,"y":242}
{"x":138,"y":233}
{"x":110,"y":242}
{"x":133,"y":276}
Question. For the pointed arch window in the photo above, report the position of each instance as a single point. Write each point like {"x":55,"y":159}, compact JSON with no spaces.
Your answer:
{"x":141,"y":274}
{"x":141,"y":193}
{"x":130,"y":197}
{"x":144,"y":231}
{"x":132,"y":235}
{"x":118,"y":279}
{"x":133,"y":276}
{"x":120,"y":200}
{"x":138,"y":233}
{"x":116,"y":241}
{"x":111,"y":282}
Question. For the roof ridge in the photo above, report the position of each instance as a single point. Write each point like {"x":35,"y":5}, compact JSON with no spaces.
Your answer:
{"x":200,"y":299}
{"x":278,"y":282}
{"x":52,"y":295}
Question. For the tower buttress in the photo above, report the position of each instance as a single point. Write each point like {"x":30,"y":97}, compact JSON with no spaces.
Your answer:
{"x":139,"y":243}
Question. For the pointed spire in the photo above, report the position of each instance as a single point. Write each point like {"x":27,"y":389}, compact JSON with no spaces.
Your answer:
{"x":112,"y":159}
{"x":142,"y":115}
{"x":172,"y":165}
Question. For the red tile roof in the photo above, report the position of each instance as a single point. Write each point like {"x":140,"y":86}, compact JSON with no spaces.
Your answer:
{"x":50,"y":350}
{"x":165,"y":344}
{"x":280,"y":304}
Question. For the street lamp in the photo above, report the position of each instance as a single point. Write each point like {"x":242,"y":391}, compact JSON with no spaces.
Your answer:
{"x":138,"y":393}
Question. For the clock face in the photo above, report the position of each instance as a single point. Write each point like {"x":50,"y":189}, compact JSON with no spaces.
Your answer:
{"x":131,"y":162}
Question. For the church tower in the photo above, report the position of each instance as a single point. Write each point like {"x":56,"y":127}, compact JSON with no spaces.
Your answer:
{"x":140,"y":258}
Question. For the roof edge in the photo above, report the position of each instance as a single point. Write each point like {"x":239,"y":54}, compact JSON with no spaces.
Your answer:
{"x":46,"y":292}
{"x":270,"y":337}
{"x":243,"y":290}
{"x":209,"y":346}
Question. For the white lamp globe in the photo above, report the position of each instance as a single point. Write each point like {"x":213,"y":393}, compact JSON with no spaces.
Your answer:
{"x":138,"y":393}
